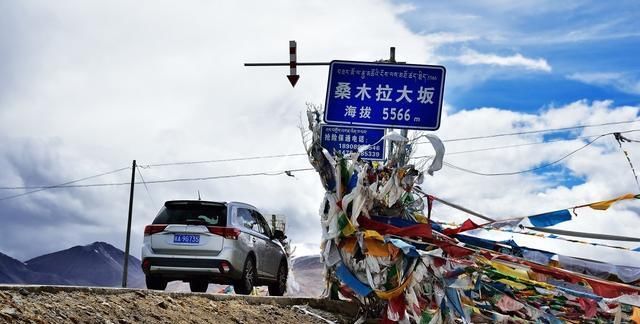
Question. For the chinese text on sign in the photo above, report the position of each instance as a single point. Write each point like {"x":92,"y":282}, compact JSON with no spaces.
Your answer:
{"x":347,"y":139}
{"x":385,"y":95}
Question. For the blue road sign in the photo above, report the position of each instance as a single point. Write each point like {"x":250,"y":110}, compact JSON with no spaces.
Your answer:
{"x":385,"y":95}
{"x":345,"y":139}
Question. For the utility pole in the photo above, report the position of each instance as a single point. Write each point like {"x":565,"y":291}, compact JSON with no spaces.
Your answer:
{"x":392,"y":59}
{"x":403,"y":132}
{"x":273,"y":222}
{"x":126,"y":247}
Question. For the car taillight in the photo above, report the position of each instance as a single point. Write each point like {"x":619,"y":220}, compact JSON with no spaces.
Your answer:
{"x":224,"y":265}
{"x":146,"y":264}
{"x":152,"y":229}
{"x":226,"y":232}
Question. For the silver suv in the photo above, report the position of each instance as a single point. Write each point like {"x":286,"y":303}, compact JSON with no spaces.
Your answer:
{"x":206,"y":242}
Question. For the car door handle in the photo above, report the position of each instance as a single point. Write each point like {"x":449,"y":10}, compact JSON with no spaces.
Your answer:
{"x":253,"y":239}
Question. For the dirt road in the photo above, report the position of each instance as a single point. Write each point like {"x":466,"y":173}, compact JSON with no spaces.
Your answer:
{"x":35,"y":304}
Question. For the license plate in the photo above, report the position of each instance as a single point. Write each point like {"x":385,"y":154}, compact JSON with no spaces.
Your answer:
{"x":186,"y":238}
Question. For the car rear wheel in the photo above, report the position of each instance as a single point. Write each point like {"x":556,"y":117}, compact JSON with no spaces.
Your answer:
{"x":156,"y":283}
{"x":198,"y":286}
{"x":244,"y":286}
{"x":279,"y":287}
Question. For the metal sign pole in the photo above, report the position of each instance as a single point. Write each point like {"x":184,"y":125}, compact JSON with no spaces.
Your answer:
{"x":293,"y":76}
{"x":392,"y":59}
{"x":126,"y":248}
{"x":418,"y":105}
{"x":403,"y":132}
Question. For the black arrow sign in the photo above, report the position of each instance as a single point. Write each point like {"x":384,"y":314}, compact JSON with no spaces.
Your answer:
{"x":293,"y":76}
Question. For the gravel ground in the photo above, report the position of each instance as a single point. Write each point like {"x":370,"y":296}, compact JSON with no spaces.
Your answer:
{"x":141,"y":306}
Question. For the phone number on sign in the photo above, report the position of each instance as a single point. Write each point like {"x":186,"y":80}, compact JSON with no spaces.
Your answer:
{"x":354,"y":147}
{"x":365,"y":154}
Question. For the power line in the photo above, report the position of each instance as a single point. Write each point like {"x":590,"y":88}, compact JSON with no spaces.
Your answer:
{"x":621,"y":139}
{"x":38,"y":189}
{"x":493,"y":148}
{"x":275,"y":173}
{"x":598,"y":236}
{"x":458,"y":207}
{"x":631,"y":139}
{"x":305,"y":154}
{"x":301,"y":154}
{"x":549,"y":130}
{"x":112,"y":184}
{"x":445,"y":140}
{"x":145,"y":186}
{"x":524,"y":144}
{"x":223,"y":160}
{"x":530,"y":233}
{"x":558,"y":238}
{"x":528,"y":170}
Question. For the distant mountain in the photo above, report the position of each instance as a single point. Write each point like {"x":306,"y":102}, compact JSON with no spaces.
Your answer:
{"x":13,"y":271}
{"x":307,"y":262}
{"x":96,"y":264}
{"x":100,"y":264}
{"x":306,"y":276}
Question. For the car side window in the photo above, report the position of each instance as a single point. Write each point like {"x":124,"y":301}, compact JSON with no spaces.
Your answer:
{"x":258,"y":228}
{"x":263,"y":224}
{"x":257,"y":225}
{"x":245,"y":218}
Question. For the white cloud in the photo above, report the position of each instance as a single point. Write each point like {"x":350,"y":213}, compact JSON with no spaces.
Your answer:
{"x":471,"y":57}
{"x":533,"y":23}
{"x":619,"y":81}
{"x":94,"y":85}
{"x":602,"y":168}
{"x":443,"y":38}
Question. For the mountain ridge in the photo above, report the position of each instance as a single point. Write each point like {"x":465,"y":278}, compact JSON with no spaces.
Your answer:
{"x":99,"y":264}
{"x":96,"y":264}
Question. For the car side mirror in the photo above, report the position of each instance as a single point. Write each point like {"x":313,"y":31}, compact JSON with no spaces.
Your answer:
{"x":278,"y":234}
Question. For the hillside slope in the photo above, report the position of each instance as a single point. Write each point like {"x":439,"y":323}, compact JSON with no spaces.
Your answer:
{"x":97,"y":264}
{"x":13,"y":271}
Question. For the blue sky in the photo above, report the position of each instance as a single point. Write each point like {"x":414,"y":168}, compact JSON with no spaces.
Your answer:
{"x":577,"y":39}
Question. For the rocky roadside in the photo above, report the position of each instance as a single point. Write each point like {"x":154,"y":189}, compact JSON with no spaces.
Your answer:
{"x":116,"y":306}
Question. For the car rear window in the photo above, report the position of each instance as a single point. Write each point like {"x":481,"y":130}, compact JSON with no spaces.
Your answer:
{"x":192,"y":214}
